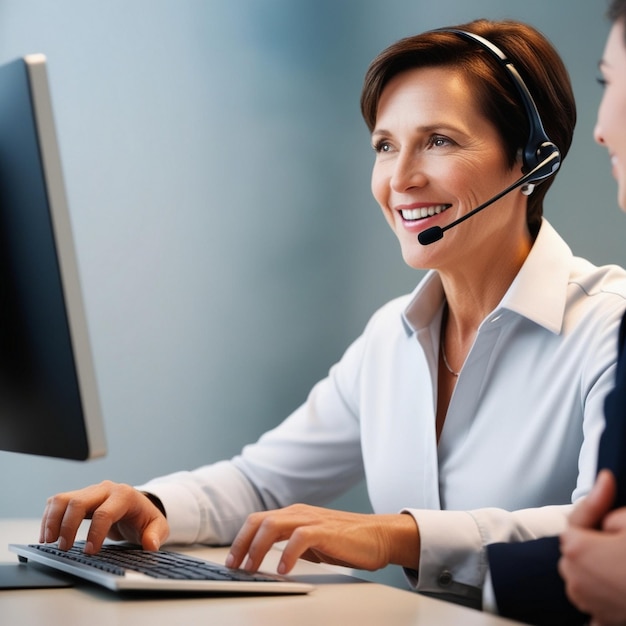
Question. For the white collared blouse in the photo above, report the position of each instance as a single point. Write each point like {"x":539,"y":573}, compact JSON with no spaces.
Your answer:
{"x":520,"y":435}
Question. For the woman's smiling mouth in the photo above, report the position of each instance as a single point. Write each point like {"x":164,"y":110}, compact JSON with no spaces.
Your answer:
{"x":411,"y":215}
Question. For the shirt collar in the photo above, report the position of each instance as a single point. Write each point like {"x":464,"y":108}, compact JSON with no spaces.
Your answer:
{"x":538,"y":292}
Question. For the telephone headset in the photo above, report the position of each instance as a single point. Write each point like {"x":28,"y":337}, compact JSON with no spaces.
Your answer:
{"x":541,"y":157}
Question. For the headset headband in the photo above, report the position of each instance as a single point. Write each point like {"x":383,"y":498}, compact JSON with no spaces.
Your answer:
{"x":539,"y":145}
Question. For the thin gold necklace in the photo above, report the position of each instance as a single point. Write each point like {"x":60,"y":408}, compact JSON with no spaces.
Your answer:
{"x":442,"y":341}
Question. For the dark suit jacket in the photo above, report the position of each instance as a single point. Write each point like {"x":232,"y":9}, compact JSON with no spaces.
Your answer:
{"x":525,"y":578}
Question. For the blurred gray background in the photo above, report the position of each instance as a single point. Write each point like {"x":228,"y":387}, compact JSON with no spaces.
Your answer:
{"x":217,"y":171}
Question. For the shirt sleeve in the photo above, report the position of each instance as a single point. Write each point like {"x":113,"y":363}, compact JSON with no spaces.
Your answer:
{"x":207,"y":505}
{"x":313,"y":456}
{"x":453,"y":557}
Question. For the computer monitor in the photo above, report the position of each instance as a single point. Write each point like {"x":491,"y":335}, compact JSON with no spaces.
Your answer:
{"x":49,"y":402}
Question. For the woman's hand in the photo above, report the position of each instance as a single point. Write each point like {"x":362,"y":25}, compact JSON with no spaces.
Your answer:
{"x":322,"y":535}
{"x":117,"y":511}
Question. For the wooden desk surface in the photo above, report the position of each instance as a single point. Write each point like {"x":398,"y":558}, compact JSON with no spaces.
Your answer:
{"x":335,"y":600}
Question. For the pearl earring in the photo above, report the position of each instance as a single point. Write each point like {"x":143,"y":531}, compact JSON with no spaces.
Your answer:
{"x":528,"y":188}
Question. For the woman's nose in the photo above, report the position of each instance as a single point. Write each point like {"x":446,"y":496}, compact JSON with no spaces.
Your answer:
{"x":597,"y":134}
{"x":408,"y":173}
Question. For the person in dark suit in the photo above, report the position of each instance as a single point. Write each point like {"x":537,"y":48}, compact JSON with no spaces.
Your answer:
{"x":581,"y":575}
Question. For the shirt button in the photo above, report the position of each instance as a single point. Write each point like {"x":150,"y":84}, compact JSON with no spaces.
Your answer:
{"x":445,"y":578}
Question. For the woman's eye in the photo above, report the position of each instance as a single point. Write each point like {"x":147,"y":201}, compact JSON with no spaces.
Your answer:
{"x":602,"y":81}
{"x":439,"y":141}
{"x":381,"y":146}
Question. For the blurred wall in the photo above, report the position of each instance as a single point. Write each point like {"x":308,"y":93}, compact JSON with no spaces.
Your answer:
{"x":217,"y":170}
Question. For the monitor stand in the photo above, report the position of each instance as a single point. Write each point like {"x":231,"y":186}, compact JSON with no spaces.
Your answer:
{"x":23,"y":576}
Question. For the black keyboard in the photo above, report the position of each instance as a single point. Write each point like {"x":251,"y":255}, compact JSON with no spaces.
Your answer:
{"x":124,"y":567}
{"x":117,"y":559}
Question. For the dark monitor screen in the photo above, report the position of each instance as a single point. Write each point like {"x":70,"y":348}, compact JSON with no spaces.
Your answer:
{"x":49,"y":403}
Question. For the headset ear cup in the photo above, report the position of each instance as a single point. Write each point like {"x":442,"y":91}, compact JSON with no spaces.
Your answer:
{"x":546,"y":149}
{"x":547,"y":159}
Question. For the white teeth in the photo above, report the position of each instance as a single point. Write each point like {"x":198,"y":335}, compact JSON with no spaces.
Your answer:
{"x":418,"y":214}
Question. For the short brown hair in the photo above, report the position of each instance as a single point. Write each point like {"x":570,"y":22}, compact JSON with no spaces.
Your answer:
{"x":534,"y":57}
